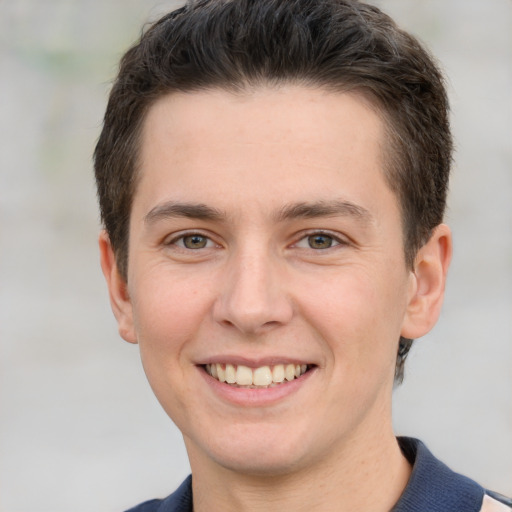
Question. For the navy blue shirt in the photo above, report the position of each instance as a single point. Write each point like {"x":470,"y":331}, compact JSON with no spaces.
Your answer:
{"x":433,"y":487}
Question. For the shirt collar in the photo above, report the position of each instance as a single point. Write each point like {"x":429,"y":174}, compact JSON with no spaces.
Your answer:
{"x":433,"y":486}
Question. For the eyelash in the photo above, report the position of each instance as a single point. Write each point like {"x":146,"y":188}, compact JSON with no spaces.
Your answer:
{"x":176,"y":241}
{"x":336,"y":241}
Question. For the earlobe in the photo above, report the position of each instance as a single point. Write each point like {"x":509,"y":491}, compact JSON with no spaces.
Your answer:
{"x":428,"y":284}
{"x":118,"y":292}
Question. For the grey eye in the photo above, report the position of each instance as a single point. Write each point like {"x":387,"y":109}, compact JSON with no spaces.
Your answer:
{"x":195,"y":241}
{"x":320,"y":241}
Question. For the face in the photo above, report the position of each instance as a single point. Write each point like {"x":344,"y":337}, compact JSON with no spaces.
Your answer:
{"x":267,"y":286}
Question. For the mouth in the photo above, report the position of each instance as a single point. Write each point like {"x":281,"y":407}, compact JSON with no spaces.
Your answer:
{"x":256,"y":378}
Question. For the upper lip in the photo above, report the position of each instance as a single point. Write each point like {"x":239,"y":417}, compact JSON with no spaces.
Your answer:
{"x":254,"y":362}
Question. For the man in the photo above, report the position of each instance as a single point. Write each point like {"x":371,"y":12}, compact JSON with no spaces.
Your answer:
{"x":272,"y":179}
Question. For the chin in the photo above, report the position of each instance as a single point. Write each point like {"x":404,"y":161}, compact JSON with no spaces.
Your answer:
{"x":256,"y":450}
{"x":258,"y":463}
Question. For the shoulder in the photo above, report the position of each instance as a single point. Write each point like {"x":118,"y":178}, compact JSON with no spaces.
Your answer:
{"x":435,"y":487}
{"x":147,"y":506}
{"x":179,"y":501}
{"x":494,"y":502}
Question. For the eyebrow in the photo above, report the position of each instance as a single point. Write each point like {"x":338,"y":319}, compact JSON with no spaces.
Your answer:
{"x":301,"y":210}
{"x":172,"y":209}
{"x":332,"y":208}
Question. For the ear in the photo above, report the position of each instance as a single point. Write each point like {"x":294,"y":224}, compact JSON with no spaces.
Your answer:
{"x":428,"y":283}
{"x":117,"y":288}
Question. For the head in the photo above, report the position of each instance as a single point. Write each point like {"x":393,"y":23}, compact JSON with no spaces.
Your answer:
{"x":334,"y":45}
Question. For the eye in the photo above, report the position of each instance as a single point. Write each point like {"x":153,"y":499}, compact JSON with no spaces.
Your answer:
{"x":193,"y":241}
{"x":318,"y":241}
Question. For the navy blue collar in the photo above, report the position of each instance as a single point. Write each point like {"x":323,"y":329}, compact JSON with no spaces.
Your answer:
{"x":433,"y":487}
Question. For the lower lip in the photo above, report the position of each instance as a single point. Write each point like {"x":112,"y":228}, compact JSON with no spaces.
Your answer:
{"x":250,"y":397}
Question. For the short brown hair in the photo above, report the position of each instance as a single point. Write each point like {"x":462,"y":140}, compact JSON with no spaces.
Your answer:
{"x":342,"y":45}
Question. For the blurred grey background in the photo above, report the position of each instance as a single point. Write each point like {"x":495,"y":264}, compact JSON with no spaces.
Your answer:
{"x":79,"y":428}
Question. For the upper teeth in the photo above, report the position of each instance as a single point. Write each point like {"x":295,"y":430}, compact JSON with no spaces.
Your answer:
{"x":262,"y":376}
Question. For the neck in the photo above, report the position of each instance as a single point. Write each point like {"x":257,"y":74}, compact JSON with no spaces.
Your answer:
{"x":364,"y":475}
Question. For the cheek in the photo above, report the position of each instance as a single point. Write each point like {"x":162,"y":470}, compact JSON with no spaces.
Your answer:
{"x":168,"y":313}
{"x":359,"y":316}
{"x":168,"y":310}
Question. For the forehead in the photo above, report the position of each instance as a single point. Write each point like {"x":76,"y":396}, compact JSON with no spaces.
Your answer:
{"x":275,"y":115}
{"x":297,"y":140}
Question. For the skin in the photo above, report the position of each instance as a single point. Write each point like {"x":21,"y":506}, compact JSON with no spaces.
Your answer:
{"x":258,"y":176}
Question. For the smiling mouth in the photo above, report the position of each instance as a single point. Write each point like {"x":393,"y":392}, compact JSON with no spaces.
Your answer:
{"x":253,"y":378}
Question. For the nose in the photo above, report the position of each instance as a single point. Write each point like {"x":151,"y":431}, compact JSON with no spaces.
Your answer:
{"x":253,"y":297}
